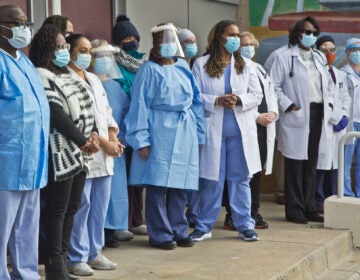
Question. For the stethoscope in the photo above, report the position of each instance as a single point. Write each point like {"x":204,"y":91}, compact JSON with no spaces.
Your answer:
{"x":323,"y":62}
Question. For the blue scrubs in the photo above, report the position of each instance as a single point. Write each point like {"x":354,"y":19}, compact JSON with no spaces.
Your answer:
{"x":24,"y":132}
{"x":166,"y":114}
{"x":117,"y":213}
{"x":233,"y":169}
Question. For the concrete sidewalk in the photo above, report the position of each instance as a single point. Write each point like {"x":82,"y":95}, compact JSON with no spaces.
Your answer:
{"x":285,"y":251}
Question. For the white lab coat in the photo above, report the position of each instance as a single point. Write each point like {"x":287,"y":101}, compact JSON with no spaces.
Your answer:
{"x":272,"y":106}
{"x":247,"y":87}
{"x":328,"y":155}
{"x":102,"y":164}
{"x":293,"y":127}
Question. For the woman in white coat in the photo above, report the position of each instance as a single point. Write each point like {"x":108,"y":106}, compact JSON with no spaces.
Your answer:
{"x":231,"y":93}
{"x":301,"y":80}
{"x":326,"y":175}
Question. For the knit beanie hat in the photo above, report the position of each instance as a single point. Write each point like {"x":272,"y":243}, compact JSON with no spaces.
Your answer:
{"x":324,"y":39}
{"x":123,"y":28}
{"x":185,"y":34}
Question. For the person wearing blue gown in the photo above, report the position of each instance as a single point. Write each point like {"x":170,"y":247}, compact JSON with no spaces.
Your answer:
{"x":24,"y":132}
{"x":165,"y":126}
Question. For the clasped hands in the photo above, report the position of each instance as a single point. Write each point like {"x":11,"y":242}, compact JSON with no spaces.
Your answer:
{"x":265,"y":119}
{"x":227,"y":101}
{"x":92,"y":144}
{"x":113,"y":147}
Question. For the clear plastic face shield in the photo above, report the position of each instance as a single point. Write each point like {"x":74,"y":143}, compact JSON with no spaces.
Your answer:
{"x":103,"y":63}
{"x":166,"y":42}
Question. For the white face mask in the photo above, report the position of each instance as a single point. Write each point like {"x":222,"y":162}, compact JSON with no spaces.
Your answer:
{"x":21,"y":36}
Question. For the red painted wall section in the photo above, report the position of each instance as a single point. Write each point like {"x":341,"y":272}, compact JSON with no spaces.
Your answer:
{"x":92,"y":18}
{"x":21,"y":3}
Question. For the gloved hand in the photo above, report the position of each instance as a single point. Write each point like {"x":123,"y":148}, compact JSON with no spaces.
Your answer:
{"x":342,"y":124}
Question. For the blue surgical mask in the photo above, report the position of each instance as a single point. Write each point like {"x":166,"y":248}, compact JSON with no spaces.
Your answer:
{"x":355,"y":57}
{"x":232,"y":44}
{"x":21,"y":36}
{"x":62,"y":58}
{"x":102,"y":65}
{"x":308,"y":40}
{"x":83,"y":61}
{"x":248,"y":51}
{"x":168,"y":50}
{"x":190,"y":50}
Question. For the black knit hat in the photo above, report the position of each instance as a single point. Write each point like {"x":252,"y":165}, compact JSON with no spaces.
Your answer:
{"x":323,"y":39}
{"x":123,"y":28}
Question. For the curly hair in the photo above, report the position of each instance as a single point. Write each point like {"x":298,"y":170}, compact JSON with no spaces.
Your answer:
{"x":295,"y":32}
{"x":215,"y":66}
{"x":57,"y":20}
{"x":43,"y":47}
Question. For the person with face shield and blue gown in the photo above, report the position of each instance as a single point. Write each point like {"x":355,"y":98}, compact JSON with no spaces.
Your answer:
{"x":165,"y":126}
{"x":24,"y":132}
{"x":105,"y":68}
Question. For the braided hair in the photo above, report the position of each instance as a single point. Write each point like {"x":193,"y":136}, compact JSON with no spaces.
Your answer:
{"x":215,"y":66}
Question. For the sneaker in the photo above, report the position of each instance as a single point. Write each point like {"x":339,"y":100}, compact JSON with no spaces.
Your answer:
{"x":248,"y":235}
{"x":198,"y":235}
{"x":166,"y":245}
{"x":228,"y":223}
{"x":102,"y":263}
{"x":140,"y":230}
{"x":123,"y":235}
{"x":81,"y":269}
{"x":259,"y":222}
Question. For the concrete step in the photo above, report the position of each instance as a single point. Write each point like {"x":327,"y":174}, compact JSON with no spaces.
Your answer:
{"x":285,"y":251}
{"x":348,"y":268}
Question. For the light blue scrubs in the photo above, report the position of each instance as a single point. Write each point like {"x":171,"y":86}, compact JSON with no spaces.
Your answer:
{"x":233,"y":169}
{"x":24,"y":132}
{"x":117,"y":213}
{"x":165,"y":113}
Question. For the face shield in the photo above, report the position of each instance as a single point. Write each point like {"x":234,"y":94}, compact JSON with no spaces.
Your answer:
{"x":166,"y":42}
{"x":104,"y":62}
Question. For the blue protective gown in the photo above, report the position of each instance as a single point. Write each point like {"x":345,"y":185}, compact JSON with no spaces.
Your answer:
{"x":167,"y":114}
{"x":117,"y":214}
{"x":24,"y":125}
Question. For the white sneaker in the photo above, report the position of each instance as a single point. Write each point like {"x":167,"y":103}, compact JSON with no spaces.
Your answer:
{"x":123,"y":235}
{"x":140,"y":230}
{"x":81,"y":269}
{"x":102,"y":263}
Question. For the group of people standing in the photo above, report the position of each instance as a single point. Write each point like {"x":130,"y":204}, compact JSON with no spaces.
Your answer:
{"x":192,"y":129}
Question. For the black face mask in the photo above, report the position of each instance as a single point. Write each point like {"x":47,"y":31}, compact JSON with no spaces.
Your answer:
{"x":133,"y":45}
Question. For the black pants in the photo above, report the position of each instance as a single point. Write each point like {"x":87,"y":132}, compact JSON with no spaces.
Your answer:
{"x":61,"y":200}
{"x":256,"y":179}
{"x":300,"y":175}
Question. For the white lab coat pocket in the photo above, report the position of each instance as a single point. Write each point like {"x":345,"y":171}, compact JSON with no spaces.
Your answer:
{"x":295,"y":118}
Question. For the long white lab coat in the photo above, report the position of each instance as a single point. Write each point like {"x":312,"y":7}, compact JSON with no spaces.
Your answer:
{"x":247,"y":87}
{"x":272,"y":106}
{"x":293,"y":127}
{"x":328,"y":155}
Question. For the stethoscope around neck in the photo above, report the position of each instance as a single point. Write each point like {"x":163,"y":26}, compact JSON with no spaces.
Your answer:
{"x":323,"y":63}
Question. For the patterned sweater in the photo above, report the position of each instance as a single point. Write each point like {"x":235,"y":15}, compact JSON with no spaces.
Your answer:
{"x":64,"y":91}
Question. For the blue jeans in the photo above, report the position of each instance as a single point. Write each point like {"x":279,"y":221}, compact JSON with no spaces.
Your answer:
{"x":350,"y":151}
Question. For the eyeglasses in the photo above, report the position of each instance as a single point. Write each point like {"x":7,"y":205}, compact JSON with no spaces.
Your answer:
{"x":65,"y":46}
{"x":309,"y":32}
{"x":22,"y":25}
{"x":327,"y":50}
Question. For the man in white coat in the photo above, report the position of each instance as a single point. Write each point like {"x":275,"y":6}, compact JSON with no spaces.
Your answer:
{"x":301,"y":82}
{"x":326,"y":175}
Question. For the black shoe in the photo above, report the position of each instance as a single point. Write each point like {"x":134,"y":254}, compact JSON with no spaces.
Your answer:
{"x":228,"y":223}
{"x":112,"y":244}
{"x":185,"y":242}
{"x":315,"y":217}
{"x":297,"y":220}
{"x":259,"y":222}
{"x":167,"y":245}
